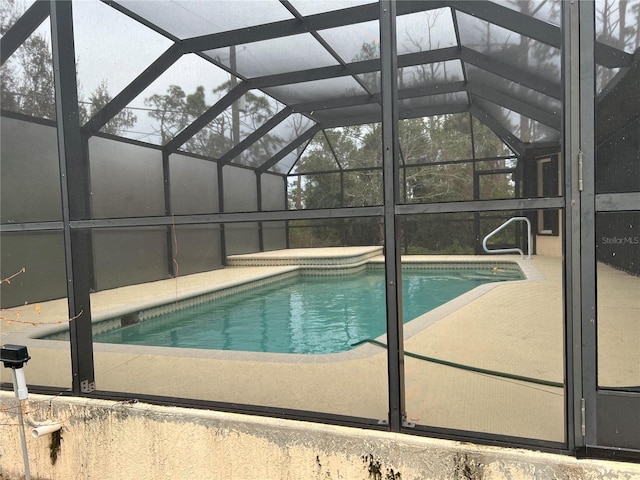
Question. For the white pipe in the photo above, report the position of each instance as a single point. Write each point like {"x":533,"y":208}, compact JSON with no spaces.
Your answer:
{"x":20,"y":389}
{"x":41,"y":430}
{"x":20,"y":384}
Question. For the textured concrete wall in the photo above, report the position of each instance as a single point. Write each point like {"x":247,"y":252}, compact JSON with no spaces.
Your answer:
{"x":110,"y":440}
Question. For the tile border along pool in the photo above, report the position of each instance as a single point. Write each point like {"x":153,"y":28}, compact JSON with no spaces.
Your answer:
{"x":253,"y":270}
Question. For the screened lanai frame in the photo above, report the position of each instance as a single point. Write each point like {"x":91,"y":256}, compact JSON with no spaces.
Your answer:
{"x":77,"y":220}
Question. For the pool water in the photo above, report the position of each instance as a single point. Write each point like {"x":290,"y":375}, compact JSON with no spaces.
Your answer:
{"x":303,"y":314}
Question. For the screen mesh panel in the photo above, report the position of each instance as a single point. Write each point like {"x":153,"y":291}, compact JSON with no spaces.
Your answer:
{"x":301,"y":52}
{"x":509,"y":47}
{"x":185,"y":19}
{"x":423,"y":31}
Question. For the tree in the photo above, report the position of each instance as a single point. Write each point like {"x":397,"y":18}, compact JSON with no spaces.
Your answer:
{"x":613,"y":28}
{"x":175,"y":110}
{"x":433,"y":149}
{"x":27,"y":76}
{"x":97,"y":100}
{"x":28,"y":82}
{"x":170,"y":112}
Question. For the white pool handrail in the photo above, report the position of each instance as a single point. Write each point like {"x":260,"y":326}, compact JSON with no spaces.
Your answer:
{"x":510,"y":250}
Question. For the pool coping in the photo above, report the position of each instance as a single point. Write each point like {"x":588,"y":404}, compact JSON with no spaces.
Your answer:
{"x":33,"y":337}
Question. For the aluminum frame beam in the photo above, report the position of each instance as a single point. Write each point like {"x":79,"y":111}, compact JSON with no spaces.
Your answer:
{"x":23,"y":28}
{"x":131,"y":91}
{"x":529,"y":80}
{"x":390,"y":165}
{"x":255,"y":136}
{"x":506,"y":136}
{"x":511,"y":20}
{"x":231,"y":217}
{"x":518,"y":106}
{"x":496,"y":14}
{"x":615,"y":202}
{"x":377,"y":118}
{"x":283,"y":215}
{"x":536,"y":29}
{"x":74,"y":183}
{"x":294,"y":26}
{"x":481,"y":206}
{"x":354,"y":68}
{"x":307,"y":135}
{"x":202,"y":121}
{"x":425,"y":91}
{"x":584,"y":82}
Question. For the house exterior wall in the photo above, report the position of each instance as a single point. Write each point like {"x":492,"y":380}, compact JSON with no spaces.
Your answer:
{"x":123,"y":440}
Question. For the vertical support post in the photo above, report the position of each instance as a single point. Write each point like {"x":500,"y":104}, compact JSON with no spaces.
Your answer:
{"x":168,"y":211}
{"x":586,"y":192}
{"x":285,"y":180}
{"x":259,"y":200}
{"x":223,"y":245}
{"x":477,"y":250}
{"x":74,"y":180}
{"x":571,"y":147}
{"x":343,"y":231}
{"x":235,"y":112}
{"x":390,"y":167}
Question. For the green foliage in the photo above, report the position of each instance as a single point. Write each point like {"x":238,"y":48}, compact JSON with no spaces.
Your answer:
{"x":27,"y":76}
{"x":28,"y":81}
{"x":342,"y":168}
{"x":444,"y":234}
{"x":175,"y":110}
{"x":338,"y":232}
{"x":437,"y":165}
{"x":354,"y":154}
{"x":169,"y":110}
{"x":97,"y":100}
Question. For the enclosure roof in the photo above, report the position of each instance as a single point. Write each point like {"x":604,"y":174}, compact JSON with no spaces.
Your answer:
{"x":320,"y":62}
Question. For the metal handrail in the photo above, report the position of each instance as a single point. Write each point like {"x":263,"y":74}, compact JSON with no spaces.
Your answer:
{"x":510,"y":250}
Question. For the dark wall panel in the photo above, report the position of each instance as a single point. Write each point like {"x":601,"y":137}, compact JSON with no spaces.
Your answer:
{"x":240,"y":190}
{"x":618,"y":240}
{"x":241,"y":238}
{"x":274,"y":235}
{"x":197,"y":249}
{"x":618,"y":161}
{"x":240,"y":195}
{"x":129,"y":256}
{"x":273,"y":193}
{"x":30,"y":180}
{"x":126,"y":179}
{"x":41,"y":254}
{"x":194,"y":185}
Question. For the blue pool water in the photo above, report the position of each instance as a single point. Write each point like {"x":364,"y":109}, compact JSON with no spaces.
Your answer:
{"x":303,"y":314}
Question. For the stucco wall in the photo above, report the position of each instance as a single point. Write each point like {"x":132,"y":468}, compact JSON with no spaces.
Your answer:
{"x":110,"y":440}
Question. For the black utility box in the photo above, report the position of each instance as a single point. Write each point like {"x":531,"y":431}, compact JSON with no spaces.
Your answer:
{"x":14,"y":356}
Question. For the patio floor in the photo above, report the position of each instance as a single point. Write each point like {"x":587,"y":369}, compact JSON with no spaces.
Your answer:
{"x":514,"y":327}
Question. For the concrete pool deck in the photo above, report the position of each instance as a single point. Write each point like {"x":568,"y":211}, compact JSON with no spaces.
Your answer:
{"x":514,"y":327}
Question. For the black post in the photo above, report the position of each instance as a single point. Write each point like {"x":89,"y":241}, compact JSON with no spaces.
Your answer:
{"x":223,"y":241}
{"x":168,"y":211}
{"x":584,"y":159}
{"x":390,"y":162}
{"x":74,"y":180}
{"x":259,"y":199}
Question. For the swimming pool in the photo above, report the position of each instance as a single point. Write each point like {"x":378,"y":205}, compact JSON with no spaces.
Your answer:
{"x":306,"y":314}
